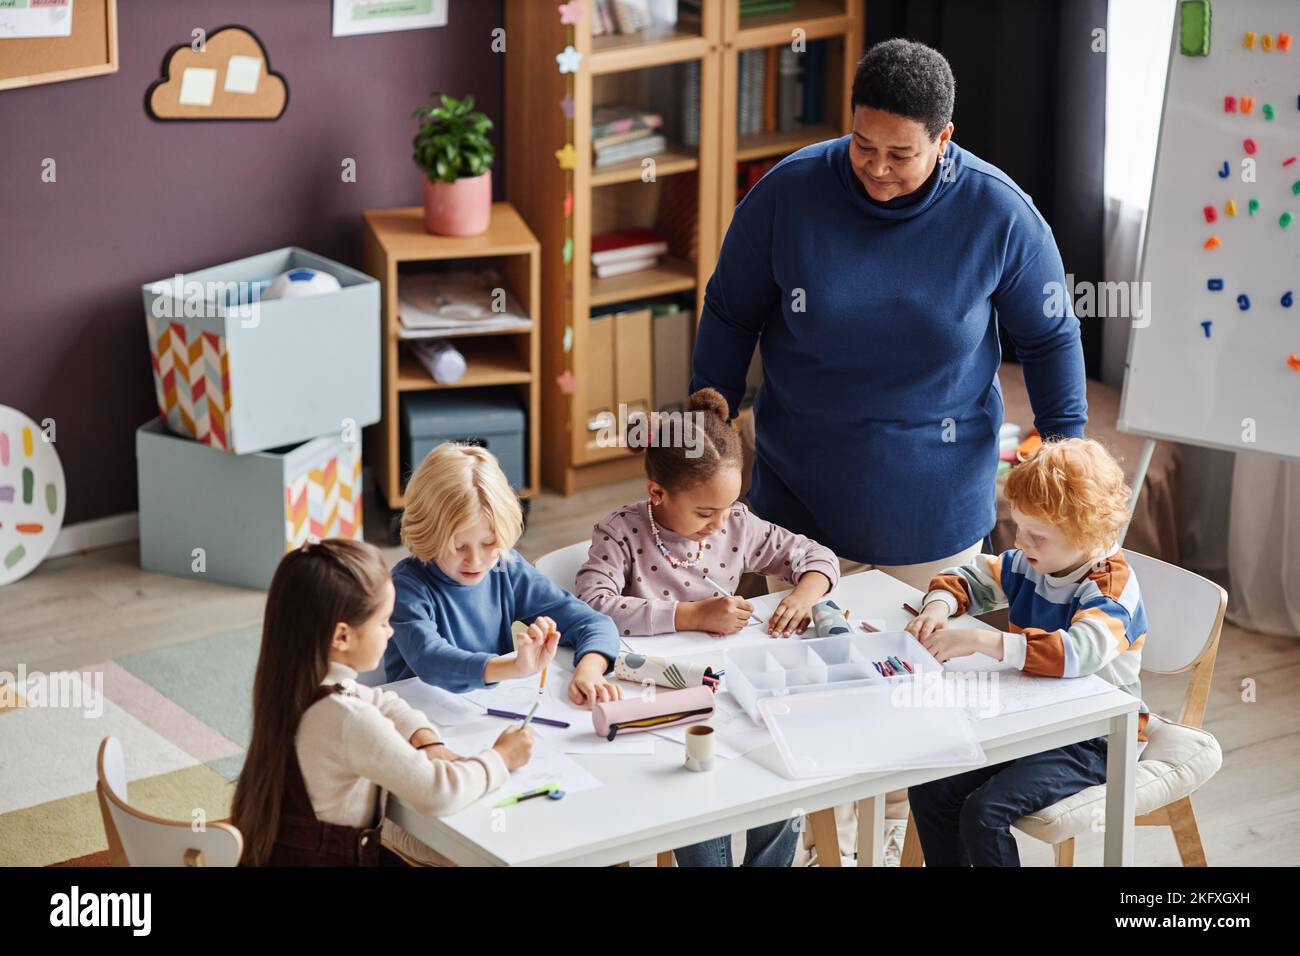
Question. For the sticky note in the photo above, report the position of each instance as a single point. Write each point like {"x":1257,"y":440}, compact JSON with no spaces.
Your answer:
{"x":243,"y":73}
{"x":1194,"y":27}
{"x":197,"y":86}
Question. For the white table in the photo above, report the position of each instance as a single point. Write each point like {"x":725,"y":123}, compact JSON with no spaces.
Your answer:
{"x":651,"y":803}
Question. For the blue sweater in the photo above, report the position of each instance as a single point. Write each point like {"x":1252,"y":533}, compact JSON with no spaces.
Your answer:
{"x":445,"y":632}
{"x":877,"y":420}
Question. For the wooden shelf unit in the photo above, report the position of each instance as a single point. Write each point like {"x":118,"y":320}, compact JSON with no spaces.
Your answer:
{"x":392,"y":238}
{"x":615,"y":197}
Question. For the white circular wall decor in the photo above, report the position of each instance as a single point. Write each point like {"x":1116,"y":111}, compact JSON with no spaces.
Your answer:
{"x":32,"y":494}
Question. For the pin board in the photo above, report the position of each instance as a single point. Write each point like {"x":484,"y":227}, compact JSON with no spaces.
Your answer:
{"x":1215,"y":360}
{"x":89,"y":49}
{"x":228,"y":78}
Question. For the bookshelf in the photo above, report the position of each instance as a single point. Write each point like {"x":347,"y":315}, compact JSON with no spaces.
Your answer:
{"x":689,"y":198}
{"x":394,"y":244}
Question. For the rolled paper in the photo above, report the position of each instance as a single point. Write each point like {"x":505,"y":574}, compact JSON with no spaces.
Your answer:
{"x":659,"y":670}
{"x":828,"y":619}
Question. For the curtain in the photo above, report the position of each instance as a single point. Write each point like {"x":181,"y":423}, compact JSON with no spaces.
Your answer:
{"x":1031,"y":96}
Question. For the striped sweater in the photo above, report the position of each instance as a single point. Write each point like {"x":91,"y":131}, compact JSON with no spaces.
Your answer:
{"x":1088,"y":621}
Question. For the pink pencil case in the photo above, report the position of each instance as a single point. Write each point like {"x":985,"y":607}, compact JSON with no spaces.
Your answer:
{"x":667,"y":709}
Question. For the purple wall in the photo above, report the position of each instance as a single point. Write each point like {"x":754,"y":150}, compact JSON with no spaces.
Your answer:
{"x":137,"y":200}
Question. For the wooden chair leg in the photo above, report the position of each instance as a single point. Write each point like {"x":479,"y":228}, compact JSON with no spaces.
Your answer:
{"x":825,"y":837}
{"x":913,"y":855}
{"x":1064,"y":852}
{"x":664,"y":859}
{"x":1183,"y":822}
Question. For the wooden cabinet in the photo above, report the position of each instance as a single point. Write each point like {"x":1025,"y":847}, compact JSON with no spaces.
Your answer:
{"x":687,"y":192}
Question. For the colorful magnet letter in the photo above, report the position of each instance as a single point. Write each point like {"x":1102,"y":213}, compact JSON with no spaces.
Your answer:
{"x":1288,"y":161}
{"x":1206,"y":325}
{"x":1249,"y":146}
{"x":1213,"y":243}
{"x":1214,"y":285}
{"x":1267,"y":110}
{"x":1248,"y":104}
{"x":1253,"y":206}
{"x":1243,"y":302}
{"x":1286,"y":299}
{"x":1248,"y":41}
{"x":1284,"y":220}
{"x":1194,"y":28}
{"x":1266,"y":43}
{"x":1295,"y":188}
{"x":1210,"y":214}
{"x":1223,"y":173}
{"x":1284,"y":42}
{"x":1294,"y":361}
{"x":1230,"y":208}
{"x":1229,"y":104}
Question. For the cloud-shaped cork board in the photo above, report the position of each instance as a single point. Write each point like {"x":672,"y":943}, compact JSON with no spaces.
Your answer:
{"x":230,"y":78}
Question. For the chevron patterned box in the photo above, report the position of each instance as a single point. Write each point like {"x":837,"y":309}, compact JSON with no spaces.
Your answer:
{"x":213,"y":516}
{"x":242,"y":373}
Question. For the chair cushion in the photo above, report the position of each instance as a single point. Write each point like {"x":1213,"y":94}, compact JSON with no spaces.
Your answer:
{"x":1176,"y":761}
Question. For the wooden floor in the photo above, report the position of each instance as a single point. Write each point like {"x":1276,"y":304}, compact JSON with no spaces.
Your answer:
{"x":90,"y":607}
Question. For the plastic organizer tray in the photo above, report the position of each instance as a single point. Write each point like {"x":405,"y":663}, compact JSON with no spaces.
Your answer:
{"x":818,"y":664}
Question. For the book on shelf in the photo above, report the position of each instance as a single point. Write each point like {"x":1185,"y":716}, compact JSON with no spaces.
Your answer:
{"x":624,"y":244}
{"x":623,"y":267}
{"x":458,"y":301}
{"x":779,"y":90}
{"x":752,"y":8}
{"x":612,"y":118}
{"x":620,"y":17}
{"x":634,"y":149}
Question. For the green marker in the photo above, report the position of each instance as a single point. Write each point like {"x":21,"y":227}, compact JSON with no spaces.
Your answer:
{"x":551,"y":790}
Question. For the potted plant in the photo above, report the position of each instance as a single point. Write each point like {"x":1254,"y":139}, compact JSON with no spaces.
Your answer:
{"x":453,"y":150}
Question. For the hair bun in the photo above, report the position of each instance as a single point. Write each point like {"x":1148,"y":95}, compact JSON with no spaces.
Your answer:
{"x":710,"y":400}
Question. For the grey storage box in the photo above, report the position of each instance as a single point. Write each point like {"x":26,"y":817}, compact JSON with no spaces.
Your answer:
{"x":213,"y":516}
{"x":490,"y":417}
{"x":243,"y":373}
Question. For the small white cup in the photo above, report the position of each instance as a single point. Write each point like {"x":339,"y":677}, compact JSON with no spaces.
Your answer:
{"x":701,"y":745}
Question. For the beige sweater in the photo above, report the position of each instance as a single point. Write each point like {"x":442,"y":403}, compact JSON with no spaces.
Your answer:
{"x":348,"y":747}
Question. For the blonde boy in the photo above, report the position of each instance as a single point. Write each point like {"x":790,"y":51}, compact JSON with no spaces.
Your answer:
{"x":463,"y":586}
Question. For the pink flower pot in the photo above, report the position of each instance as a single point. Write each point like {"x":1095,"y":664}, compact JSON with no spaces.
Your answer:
{"x":462,"y":208}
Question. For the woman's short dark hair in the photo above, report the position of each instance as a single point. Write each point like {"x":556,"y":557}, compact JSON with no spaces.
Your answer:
{"x":909,"y":79}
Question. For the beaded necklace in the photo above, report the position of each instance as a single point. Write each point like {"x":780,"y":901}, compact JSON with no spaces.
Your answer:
{"x":688,"y":562}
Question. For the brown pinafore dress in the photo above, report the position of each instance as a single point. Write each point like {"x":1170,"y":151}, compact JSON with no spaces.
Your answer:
{"x":303,"y":840}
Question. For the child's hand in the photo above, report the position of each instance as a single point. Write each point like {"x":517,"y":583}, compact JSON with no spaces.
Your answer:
{"x":960,"y":641}
{"x":720,"y":615}
{"x":515,"y":745}
{"x":792,"y":615}
{"x":535,"y":647}
{"x":933,"y":617}
{"x":589,"y":685}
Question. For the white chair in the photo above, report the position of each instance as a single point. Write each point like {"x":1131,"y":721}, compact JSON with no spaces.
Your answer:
{"x":562,"y":565}
{"x":136,"y":838}
{"x":1185,"y":618}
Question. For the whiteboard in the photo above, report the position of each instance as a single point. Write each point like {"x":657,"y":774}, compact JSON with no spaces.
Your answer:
{"x":1234,"y":389}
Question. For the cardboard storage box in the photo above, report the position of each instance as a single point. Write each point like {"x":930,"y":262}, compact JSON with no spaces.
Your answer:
{"x":213,"y":516}
{"x":243,"y":373}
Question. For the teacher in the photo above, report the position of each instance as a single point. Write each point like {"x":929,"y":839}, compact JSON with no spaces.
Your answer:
{"x":873,"y":271}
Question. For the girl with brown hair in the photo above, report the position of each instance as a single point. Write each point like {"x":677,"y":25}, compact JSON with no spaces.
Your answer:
{"x":325,"y":750}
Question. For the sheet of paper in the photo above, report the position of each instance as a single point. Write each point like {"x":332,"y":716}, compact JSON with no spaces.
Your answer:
{"x":1010,"y":691}
{"x":546,"y":766}
{"x":694,"y":642}
{"x":736,"y":734}
{"x":441,"y":706}
{"x":243,"y":74}
{"x":198,"y":83}
{"x":580,"y":736}
{"x":50,"y":18}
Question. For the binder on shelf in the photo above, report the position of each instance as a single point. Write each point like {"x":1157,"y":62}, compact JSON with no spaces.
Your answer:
{"x":600,"y":370}
{"x":633,"y":349}
{"x":672,"y":360}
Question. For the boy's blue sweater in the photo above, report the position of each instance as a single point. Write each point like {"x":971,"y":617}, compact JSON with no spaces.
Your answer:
{"x":445,"y":632}
{"x":877,"y":420}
